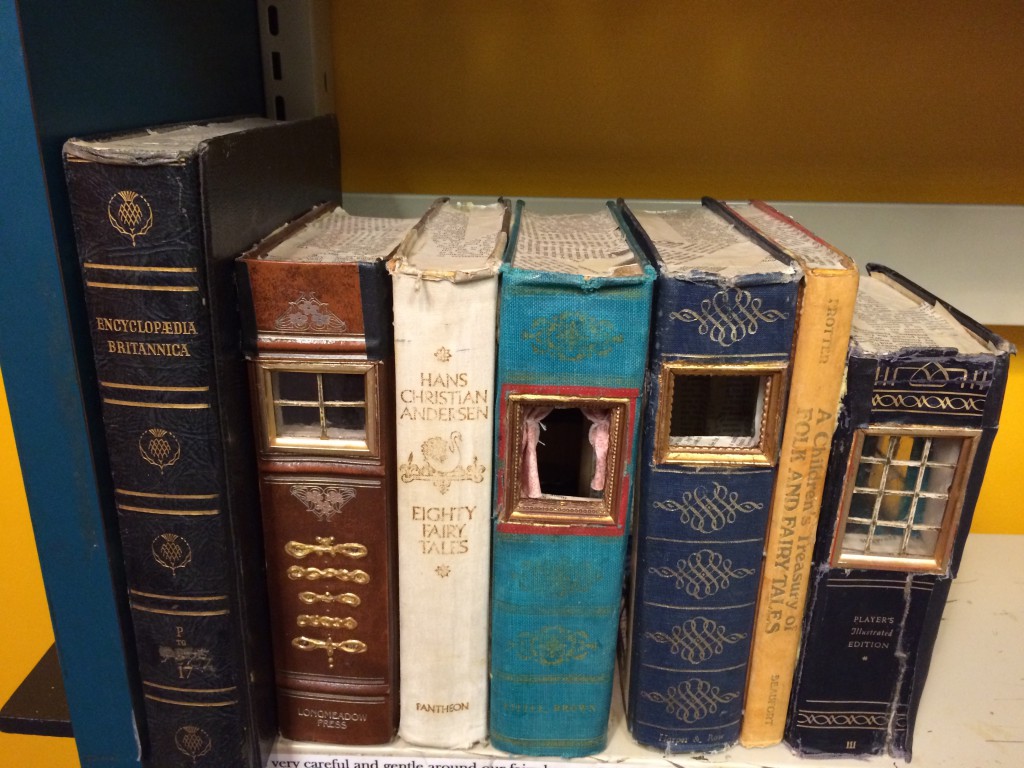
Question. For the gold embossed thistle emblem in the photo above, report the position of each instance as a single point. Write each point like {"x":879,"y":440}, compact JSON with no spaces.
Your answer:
{"x":130,"y":214}
{"x":192,"y":741}
{"x":159,"y":447}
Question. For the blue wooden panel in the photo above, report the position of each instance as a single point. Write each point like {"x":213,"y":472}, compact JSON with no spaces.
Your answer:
{"x":76,"y":68}
{"x":53,"y":444}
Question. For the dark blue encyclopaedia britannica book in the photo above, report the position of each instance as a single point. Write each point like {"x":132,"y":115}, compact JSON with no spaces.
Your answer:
{"x":719,"y":366}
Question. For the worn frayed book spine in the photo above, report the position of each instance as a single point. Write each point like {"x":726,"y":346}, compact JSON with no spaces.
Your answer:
{"x":445,"y":281}
{"x":924,"y":389}
{"x":317,"y":300}
{"x":575,"y":314}
{"x":159,"y":218}
{"x":724,"y":316}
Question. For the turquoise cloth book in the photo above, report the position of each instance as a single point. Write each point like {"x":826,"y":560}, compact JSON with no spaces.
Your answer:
{"x":573,"y":338}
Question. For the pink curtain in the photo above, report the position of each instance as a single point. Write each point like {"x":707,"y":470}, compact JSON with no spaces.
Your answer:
{"x":600,"y":428}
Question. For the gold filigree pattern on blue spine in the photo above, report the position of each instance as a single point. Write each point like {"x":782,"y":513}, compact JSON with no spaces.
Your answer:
{"x":729,"y":316}
{"x":698,"y":639}
{"x":552,"y":646}
{"x":572,"y":337}
{"x":703,"y":573}
{"x":708,"y":512}
{"x":692,"y":700}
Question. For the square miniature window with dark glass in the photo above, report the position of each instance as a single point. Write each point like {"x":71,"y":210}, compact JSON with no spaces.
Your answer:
{"x":565,"y":455}
{"x":322,"y":407}
{"x":716,"y":414}
{"x":903,"y":497}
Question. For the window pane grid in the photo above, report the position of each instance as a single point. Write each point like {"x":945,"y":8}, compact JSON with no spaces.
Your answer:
{"x":879,"y":494}
{"x":319,"y":409}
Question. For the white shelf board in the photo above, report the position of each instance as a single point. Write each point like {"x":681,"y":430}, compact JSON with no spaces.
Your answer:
{"x":971,"y":256}
{"x":971,"y":715}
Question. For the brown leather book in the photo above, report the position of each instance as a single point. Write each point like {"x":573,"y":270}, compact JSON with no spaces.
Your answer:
{"x":317,"y":307}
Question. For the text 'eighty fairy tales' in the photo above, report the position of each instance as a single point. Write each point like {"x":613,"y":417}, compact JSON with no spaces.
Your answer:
{"x":172,"y":336}
{"x":443,"y":529}
{"x":813,"y":435}
{"x":444,"y":397}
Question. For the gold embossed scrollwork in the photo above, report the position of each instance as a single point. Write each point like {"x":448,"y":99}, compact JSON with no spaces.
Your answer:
{"x":325,"y":546}
{"x":297,"y":572}
{"x":331,"y":622}
{"x":330,"y":646}
{"x":345,"y":598}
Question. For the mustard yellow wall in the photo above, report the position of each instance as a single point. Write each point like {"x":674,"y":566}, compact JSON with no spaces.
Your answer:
{"x":27,"y":632}
{"x":999,"y":507}
{"x":870,"y":101}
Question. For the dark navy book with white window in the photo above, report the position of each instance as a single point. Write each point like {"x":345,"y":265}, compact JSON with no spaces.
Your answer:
{"x":925,"y":386}
{"x":722,"y":336}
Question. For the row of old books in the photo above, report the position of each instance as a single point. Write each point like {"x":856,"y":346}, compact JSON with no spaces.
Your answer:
{"x":486,"y":449}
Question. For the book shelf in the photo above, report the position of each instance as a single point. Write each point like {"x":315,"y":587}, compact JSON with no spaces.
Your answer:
{"x":82,"y":66}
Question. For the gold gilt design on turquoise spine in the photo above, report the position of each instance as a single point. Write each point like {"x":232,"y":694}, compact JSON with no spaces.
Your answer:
{"x":557,"y":579}
{"x":729,"y":316}
{"x":708,"y":512}
{"x":572,"y":337}
{"x":698,"y":639}
{"x":703,"y":574}
{"x":552,"y":646}
{"x":692,"y":700}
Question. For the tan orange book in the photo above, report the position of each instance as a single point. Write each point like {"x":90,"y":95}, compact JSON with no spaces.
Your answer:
{"x":819,"y":358}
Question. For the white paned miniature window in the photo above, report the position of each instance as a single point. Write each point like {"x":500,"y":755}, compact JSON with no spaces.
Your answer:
{"x":903,"y":496}
{"x":322,"y":407}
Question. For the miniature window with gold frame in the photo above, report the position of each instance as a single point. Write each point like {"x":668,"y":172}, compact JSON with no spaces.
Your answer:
{"x":719,"y":414}
{"x":319,"y":407}
{"x":564,"y":463}
{"x":902,"y":500}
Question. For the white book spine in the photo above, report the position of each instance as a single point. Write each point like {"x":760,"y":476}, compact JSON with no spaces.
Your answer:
{"x":444,"y":370}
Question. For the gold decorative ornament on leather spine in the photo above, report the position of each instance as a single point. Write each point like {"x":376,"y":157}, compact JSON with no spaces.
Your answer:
{"x":297,"y":572}
{"x":324,"y":546}
{"x":345,"y":598}
{"x":330,"y":622}
{"x":345,"y":646}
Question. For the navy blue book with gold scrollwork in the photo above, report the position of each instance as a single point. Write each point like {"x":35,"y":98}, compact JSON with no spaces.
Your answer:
{"x":159,"y":217}
{"x":924,"y":389}
{"x":721,"y":341}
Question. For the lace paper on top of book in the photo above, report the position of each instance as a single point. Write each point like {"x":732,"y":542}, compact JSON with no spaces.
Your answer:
{"x":793,"y":238}
{"x":887,"y":320}
{"x":588,"y":244}
{"x":338,"y":237}
{"x":696,"y":242}
{"x":164,"y":145}
{"x":467,"y":233}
